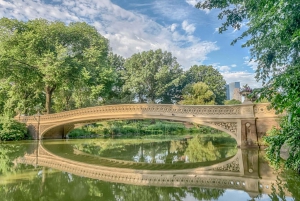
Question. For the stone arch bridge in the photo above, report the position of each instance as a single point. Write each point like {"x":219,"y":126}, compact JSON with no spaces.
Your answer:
{"x":247,"y":123}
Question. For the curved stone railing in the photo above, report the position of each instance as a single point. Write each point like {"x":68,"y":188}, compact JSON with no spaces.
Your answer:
{"x":196,"y":110}
{"x":227,"y":118}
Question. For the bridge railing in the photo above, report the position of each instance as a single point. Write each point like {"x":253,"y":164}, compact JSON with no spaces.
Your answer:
{"x":227,"y":111}
{"x":263,"y":110}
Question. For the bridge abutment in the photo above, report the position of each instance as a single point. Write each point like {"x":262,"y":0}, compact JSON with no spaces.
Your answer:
{"x":33,"y":130}
{"x":249,"y":136}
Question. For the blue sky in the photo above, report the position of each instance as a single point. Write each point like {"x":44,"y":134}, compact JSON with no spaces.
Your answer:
{"x":139,"y":25}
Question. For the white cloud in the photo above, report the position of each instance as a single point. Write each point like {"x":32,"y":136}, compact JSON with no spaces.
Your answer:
{"x":170,"y":10}
{"x":242,"y":77}
{"x":173,"y":27}
{"x":188,"y":28}
{"x":251,"y":63}
{"x":224,"y":68}
{"x":192,"y":2}
{"x":128,"y":32}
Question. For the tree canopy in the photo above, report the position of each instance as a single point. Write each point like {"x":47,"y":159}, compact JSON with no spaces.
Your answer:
{"x":232,"y":102}
{"x":272,"y":30}
{"x":151,"y":74}
{"x":197,"y":94}
{"x":272,"y":33}
{"x":211,"y":77}
{"x":53,"y":59}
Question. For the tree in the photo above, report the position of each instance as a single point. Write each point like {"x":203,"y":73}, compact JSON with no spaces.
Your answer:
{"x":118,"y":93}
{"x":52,"y":56}
{"x":288,"y":99}
{"x":11,"y":129}
{"x":273,"y":35}
{"x":232,"y":102}
{"x":272,"y":32}
{"x":211,"y":77}
{"x":197,"y":94}
{"x":151,"y":75}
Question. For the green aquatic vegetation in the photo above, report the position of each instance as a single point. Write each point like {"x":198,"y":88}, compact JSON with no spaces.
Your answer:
{"x":139,"y":128}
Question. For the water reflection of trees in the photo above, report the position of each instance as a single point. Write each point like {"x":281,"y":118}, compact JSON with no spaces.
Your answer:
{"x":64,"y":186}
{"x":8,"y":152}
{"x":49,"y":184}
{"x":197,"y":149}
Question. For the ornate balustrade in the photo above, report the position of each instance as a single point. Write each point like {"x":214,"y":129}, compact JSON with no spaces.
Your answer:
{"x":236,"y":120}
{"x":200,"y":111}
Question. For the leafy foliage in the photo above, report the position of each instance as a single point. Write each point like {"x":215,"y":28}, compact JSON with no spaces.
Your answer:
{"x":198,"y":151}
{"x":232,"y":102}
{"x":211,"y":77}
{"x":118,"y":93}
{"x":57,"y":61}
{"x":11,"y":129}
{"x":284,"y":93}
{"x":197,"y":94}
{"x":273,"y":35}
{"x":152,"y":75}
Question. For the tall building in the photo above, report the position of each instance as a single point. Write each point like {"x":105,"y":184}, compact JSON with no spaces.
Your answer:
{"x":233,"y":91}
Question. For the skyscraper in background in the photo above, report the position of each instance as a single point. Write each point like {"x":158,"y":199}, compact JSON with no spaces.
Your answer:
{"x":233,"y":91}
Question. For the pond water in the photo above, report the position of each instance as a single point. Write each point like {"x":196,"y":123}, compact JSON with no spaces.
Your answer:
{"x":167,"y":169}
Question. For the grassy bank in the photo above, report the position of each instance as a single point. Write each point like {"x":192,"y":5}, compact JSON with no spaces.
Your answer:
{"x":131,"y":128}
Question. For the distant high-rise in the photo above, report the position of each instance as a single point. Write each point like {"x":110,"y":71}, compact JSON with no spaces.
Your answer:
{"x":233,"y":91}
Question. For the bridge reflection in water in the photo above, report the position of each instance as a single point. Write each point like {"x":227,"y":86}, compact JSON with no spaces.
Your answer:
{"x":245,"y":171}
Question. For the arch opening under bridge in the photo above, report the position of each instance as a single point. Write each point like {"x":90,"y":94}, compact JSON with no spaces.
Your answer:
{"x":247,"y":123}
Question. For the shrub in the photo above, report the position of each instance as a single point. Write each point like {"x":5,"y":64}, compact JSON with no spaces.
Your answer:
{"x":11,"y":129}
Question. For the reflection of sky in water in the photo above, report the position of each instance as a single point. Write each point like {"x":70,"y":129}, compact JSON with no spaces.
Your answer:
{"x":73,"y":183}
{"x":235,"y":195}
{"x":159,"y":157}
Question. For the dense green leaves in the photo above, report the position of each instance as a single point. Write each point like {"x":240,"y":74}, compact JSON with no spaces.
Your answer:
{"x":52,"y":57}
{"x":272,"y":31}
{"x":211,"y":77}
{"x":273,"y":35}
{"x":151,"y":75}
{"x":284,"y":93}
{"x":11,"y":129}
{"x":232,"y":102}
{"x":197,"y":94}
{"x":118,"y":93}
{"x":64,"y":67}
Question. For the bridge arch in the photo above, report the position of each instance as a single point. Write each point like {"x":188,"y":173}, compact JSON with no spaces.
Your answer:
{"x":228,"y":127}
{"x":239,"y":121}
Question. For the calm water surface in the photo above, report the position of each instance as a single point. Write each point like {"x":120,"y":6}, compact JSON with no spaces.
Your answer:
{"x":140,"y":169}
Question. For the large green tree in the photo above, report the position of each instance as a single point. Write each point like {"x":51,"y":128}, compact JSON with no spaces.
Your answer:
{"x":151,"y":75}
{"x":197,"y":94}
{"x":272,"y":33}
{"x":211,"y":77}
{"x":40,"y":55}
{"x":118,"y":93}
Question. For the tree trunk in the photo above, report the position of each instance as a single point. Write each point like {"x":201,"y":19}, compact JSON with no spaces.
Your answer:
{"x":49,"y":92}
